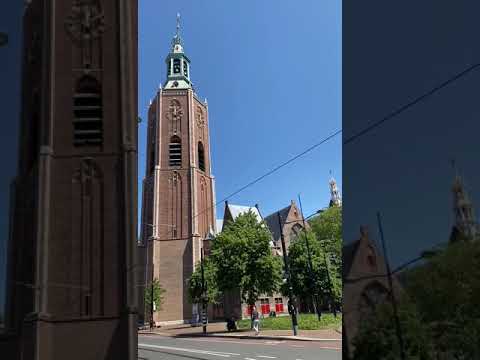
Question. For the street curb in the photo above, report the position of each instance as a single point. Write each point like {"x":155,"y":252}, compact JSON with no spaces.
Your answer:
{"x":273,"y":337}
{"x":261,"y":337}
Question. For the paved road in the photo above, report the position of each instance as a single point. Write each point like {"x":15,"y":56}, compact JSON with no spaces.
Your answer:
{"x":154,"y":347}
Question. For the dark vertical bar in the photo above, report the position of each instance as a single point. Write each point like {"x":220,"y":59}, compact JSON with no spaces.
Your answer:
{"x":390,"y":284}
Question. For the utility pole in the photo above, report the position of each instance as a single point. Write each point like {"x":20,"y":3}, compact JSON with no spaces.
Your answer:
{"x":310,"y":265}
{"x":390,"y":283}
{"x":292,"y":309}
{"x":330,"y":285}
{"x":204,"y":295}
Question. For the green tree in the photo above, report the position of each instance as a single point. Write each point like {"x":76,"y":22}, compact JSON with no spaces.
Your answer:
{"x":439,"y":314}
{"x":325,"y":243}
{"x":243,"y":259}
{"x":195,"y":283}
{"x":377,"y":337}
{"x":306,"y":283}
{"x":158,"y":295}
{"x":327,"y":228}
{"x":447,"y":293}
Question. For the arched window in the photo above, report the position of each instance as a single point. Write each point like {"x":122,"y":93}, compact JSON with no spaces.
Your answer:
{"x":296,"y":230}
{"x":201,"y":156}
{"x":88,"y":112}
{"x":175,"y":151}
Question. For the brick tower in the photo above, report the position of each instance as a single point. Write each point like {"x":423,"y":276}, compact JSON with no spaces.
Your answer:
{"x":178,"y":189}
{"x":73,"y":240}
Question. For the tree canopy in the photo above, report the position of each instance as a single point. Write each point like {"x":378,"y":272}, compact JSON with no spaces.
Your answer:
{"x":195,"y":290}
{"x":242,"y":258}
{"x":325,"y":244}
{"x":439,"y":313}
{"x":158,"y":295}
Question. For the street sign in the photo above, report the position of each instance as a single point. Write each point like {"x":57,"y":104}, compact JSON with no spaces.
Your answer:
{"x":3,"y":39}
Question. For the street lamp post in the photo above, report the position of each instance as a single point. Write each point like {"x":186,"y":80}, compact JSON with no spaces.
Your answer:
{"x":204,"y":295}
{"x":291,"y":303}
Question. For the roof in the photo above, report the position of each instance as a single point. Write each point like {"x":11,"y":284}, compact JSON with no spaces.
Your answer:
{"x":348,"y":254}
{"x":272,"y":221}
{"x":237,"y":210}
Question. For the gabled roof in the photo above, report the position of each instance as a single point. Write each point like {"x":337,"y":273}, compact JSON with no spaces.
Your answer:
{"x":272,"y":221}
{"x":234,"y":211}
{"x":348,"y":255}
{"x":237,"y":210}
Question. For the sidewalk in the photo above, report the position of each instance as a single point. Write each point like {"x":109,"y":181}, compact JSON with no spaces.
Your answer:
{"x":218,"y":329}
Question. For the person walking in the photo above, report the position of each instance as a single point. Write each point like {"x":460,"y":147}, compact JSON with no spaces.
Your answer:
{"x":255,"y":320}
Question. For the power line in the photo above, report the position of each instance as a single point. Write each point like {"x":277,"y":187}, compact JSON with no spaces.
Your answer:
{"x":412,"y":103}
{"x":272,"y":171}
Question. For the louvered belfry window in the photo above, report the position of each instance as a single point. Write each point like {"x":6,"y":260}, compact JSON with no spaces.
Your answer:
{"x":88,"y":113}
{"x":175,"y":151}
{"x":201,"y":156}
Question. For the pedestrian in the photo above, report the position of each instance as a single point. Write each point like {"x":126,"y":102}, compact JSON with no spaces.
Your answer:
{"x":255,"y":320}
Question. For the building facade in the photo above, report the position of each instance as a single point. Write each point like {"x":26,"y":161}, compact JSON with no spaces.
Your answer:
{"x":291,"y":225}
{"x":73,"y":238}
{"x":365,"y":285}
{"x":178,"y":190}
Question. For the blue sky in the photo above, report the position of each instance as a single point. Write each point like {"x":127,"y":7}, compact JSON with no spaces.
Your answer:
{"x":271,"y":72}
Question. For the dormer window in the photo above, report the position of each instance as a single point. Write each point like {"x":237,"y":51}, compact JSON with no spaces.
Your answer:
{"x":176,"y":66}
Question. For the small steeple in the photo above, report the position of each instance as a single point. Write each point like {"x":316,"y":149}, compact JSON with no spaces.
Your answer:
{"x":178,"y":64}
{"x":335,"y":199}
{"x":465,"y":224}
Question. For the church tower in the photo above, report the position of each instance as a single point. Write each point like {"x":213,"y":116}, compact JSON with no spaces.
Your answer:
{"x":178,"y":190}
{"x":73,"y":239}
{"x":465,"y":224}
{"x":335,"y":199}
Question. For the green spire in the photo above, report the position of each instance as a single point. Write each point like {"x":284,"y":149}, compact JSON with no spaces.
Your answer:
{"x":178,"y":64}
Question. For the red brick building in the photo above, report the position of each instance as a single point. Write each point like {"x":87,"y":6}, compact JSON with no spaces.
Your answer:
{"x":178,"y":190}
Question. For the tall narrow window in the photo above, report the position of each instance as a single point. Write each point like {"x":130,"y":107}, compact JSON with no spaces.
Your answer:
{"x":201,"y":156}
{"x":175,"y":151}
{"x":152,"y":159}
{"x":185,"y":68}
{"x":87,"y":113}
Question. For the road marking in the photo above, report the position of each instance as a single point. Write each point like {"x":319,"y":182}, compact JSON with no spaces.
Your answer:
{"x":195,"y":351}
{"x":266,"y":357}
{"x":249,"y":359}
